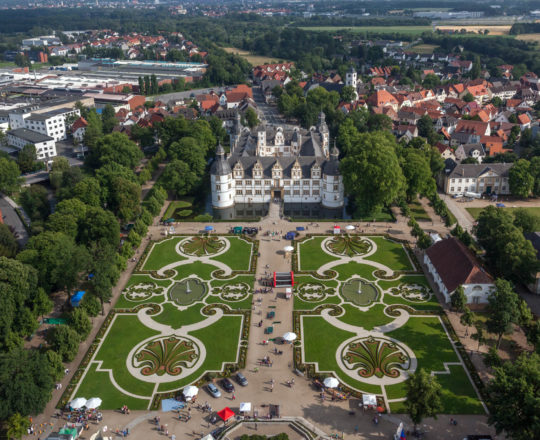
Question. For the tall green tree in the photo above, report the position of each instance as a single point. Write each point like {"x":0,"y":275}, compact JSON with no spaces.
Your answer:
{"x":178,"y":178}
{"x":80,"y":322}
{"x":251,"y":118}
{"x":17,"y":426}
{"x":371,"y":172}
{"x":503,"y":307}
{"x":467,"y":319}
{"x":513,"y":397}
{"x":114,"y":147}
{"x":94,"y":129}
{"x":65,"y":341}
{"x":27,"y":158}
{"x":108,"y":119}
{"x":458,"y":300}
{"x":417,"y":172}
{"x":9,"y":175}
{"x":8,"y":243}
{"x":526,"y":220}
{"x":520,"y":179}
{"x":423,"y":396}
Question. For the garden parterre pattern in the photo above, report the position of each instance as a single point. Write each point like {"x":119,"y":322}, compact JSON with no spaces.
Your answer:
{"x":163,"y":334}
{"x":372,"y":340}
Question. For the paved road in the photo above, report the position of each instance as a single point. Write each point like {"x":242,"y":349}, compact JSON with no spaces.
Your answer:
{"x":11,"y":218}
{"x":268,"y":114}
{"x":463,"y":217}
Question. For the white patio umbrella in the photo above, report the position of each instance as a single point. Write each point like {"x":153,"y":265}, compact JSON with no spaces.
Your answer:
{"x":331,"y":382}
{"x":369,"y":399}
{"x":190,"y":391}
{"x":77,"y":403}
{"x":93,"y":403}
{"x":208,"y":437}
{"x":289,"y":336}
{"x":245,"y":407}
{"x":288,"y":248}
{"x":350,"y":228}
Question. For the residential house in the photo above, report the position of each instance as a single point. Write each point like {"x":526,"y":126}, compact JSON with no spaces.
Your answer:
{"x":79,"y":128}
{"x":452,"y":264}
{"x":476,"y":151}
{"x":478,"y":178}
{"x":470,"y":132}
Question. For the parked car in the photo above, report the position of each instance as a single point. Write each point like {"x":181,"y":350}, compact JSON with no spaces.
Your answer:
{"x":213,"y":390}
{"x":227,"y":385}
{"x":241,"y":379}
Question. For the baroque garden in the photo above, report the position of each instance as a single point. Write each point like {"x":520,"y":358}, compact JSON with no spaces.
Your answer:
{"x":363,"y":312}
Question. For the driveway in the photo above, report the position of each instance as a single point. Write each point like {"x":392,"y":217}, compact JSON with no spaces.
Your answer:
{"x":458,"y":209}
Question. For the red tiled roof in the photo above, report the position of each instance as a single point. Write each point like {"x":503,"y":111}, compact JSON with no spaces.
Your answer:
{"x":456,"y":264}
{"x":79,"y":123}
{"x":523,"y":119}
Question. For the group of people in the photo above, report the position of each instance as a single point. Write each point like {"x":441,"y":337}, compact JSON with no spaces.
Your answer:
{"x":125,"y":410}
{"x":267,"y":361}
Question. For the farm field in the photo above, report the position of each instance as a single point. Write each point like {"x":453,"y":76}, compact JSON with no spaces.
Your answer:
{"x":424,"y":48}
{"x":475,"y":212}
{"x":174,"y":323}
{"x":368,"y":317}
{"x":253,"y":59}
{"x":493,"y":29}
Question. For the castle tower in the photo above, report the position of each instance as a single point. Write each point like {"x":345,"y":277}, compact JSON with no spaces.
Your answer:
{"x":222,"y":182}
{"x":236,"y":131}
{"x":322,"y":128}
{"x":332,"y":190}
{"x":351,"y":79}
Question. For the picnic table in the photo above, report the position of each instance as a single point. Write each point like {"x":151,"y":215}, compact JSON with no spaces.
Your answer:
{"x":271,"y":314}
{"x":269,"y":330}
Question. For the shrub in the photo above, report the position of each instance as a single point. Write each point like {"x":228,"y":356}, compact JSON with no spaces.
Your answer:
{"x":185,"y":212}
{"x":65,"y":341}
{"x":80,"y":322}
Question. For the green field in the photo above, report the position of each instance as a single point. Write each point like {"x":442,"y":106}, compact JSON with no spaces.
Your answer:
{"x":407,"y":30}
{"x":475,"y":212}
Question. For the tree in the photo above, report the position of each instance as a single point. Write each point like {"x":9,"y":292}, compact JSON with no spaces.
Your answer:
{"x":65,"y":341}
{"x":503,"y":309}
{"x":431,"y":81}
{"x":55,"y":362}
{"x":251,"y":118}
{"x":114,"y":147}
{"x":17,"y":426}
{"x":179,"y":178}
{"x":9,"y":175}
{"x":108,"y":119}
{"x":94,"y":129}
{"x":80,"y":322}
{"x":35,"y":202}
{"x":425,"y":126}
{"x":348,"y":94}
{"x":526,"y":220}
{"x":188,"y":150}
{"x":371,"y":172}
{"x":476,"y":68}
{"x":423,"y":396}
{"x":25,"y":382}
{"x":479,"y":335}
{"x":142,"y":90}
{"x":467,"y":319}
{"x":8,"y":244}
{"x":153,"y":84}
{"x":513,"y":396}
{"x":417,"y":173}
{"x":520,"y":179}
{"x":468,"y":97}
{"x":458,"y":300}
{"x":26,"y":158}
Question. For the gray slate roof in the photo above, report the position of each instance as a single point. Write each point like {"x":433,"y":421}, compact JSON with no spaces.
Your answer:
{"x":29,"y":135}
{"x":475,"y":170}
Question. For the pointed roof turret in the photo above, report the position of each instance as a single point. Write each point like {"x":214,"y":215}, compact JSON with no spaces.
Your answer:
{"x":220,"y":166}
{"x":331,"y":167}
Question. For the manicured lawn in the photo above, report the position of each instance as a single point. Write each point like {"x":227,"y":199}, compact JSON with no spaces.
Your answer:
{"x":311,"y":254}
{"x":458,"y":395}
{"x":124,"y":334}
{"x":174,"y":206}
{"x":418,"y":211}
{"x":162,"y":254}
{"x":347,"y":270}
{"x":534,"y":210}
{"x":248,"y":279}
{"x":374,"y":317}
{"x":427,"y":339}
{"x":404,"y":279}
{"x":221,"y":342}
{"x":170,"y":315}
{"x":238,"y":256}
{"x":299,"y":304}
{"x":298,"y":279}
{"x":99,"y":384}
{"x":431,"y":304}
{"x":124,"y":303}
{"x":391,"y":254}
{"x":202,"y":270}
{"x":320,"y":339}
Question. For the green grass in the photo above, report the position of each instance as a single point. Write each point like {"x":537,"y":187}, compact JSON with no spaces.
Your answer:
{"x":475,"y":212}
{"x":299,"y":279}
{"x":321,"y":339}
{"x":162,"y":254}
{"x":418,"y":211}
{"x":170,"y":315}
{"x":244,"y":304}
{"x":124,"y":334}
{"x":221,"y":342}
{"x":431,"y":304}
{"x":311,"y":254}
{"x":238,"y":256}
{"x":99,"y":384}
{"x":407,"y":30}
{"x":299,"y":304}
{"x":374,"y":317}
{"x":174,"y":206}
{"x":458,"y":395}
{"x":391,"y":254}
{"x":347,"y":270}
{"x":202,"y":270}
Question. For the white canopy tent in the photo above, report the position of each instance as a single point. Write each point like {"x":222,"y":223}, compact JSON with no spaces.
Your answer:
{"x":288,"y":248}
{"x":331,"y":382}
{"x":208,"y":437}
{"x":369,"y":400}
{"x":190,"y":392}
{"x":289,"y":336}
{"x":93,"y":403}
{"x":77,"y":403}
{"x":245,"y":406}
{"x":350,"y":228}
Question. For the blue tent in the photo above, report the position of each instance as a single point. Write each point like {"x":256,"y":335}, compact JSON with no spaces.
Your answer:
{"x":208,"y":228}
{"x":76,"y":299}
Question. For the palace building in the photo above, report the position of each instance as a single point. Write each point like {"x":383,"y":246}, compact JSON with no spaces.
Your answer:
{"x":271,"y":162}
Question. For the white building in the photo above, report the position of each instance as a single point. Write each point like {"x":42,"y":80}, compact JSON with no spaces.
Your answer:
{"x":45,"y":145}
{"x":478,"y":178}
{"x":294,"y":165}
{"x":51,"y":123}
{"x":452,"y":265}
